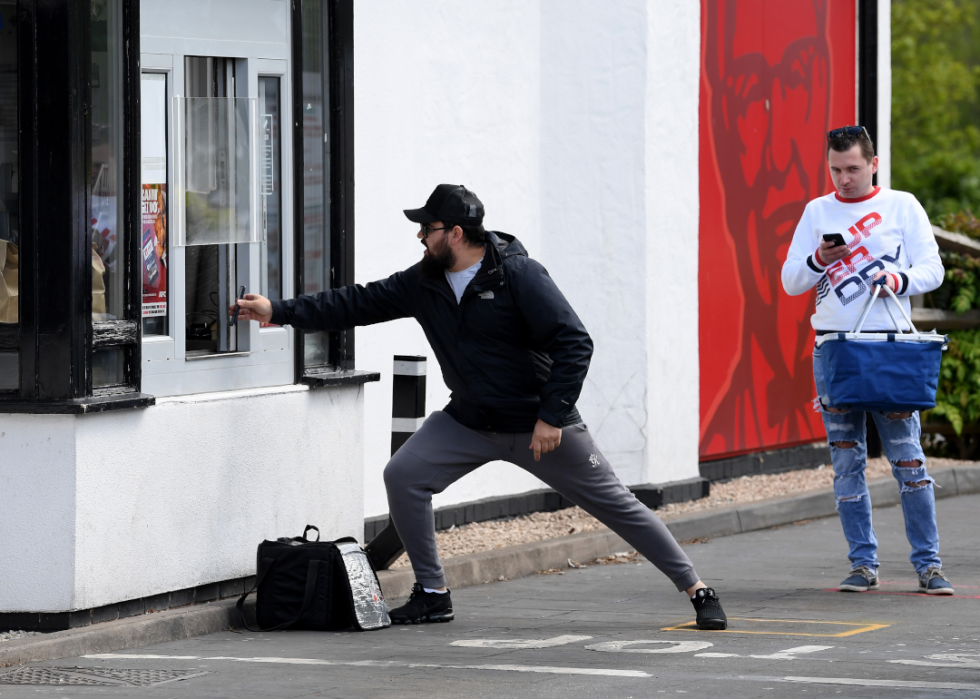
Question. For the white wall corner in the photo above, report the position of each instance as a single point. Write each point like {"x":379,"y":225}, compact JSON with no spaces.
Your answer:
{"x":672,"y":216}
{"x":884,"y":145}
{"x":37,"y":512}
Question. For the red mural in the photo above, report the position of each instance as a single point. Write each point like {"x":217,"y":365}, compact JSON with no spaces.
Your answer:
{"x":776,"y":75}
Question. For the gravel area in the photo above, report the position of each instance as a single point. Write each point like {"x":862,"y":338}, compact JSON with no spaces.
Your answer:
{"x":14,"y":635}
{"x":483,"y":536}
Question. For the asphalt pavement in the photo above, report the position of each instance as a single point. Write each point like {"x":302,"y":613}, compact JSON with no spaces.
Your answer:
{"x":613,"y":631}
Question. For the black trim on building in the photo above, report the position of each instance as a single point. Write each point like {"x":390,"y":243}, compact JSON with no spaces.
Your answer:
{"x":299,"y":214}
{"x":55,"y":334}
{"x":867,"y":30}
{"x":776,"y":461}
{"x":339,"y":61}
{"x":341,"y":52}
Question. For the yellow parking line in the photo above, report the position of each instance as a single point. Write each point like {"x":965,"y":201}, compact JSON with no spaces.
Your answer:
{"x":860,"y":627}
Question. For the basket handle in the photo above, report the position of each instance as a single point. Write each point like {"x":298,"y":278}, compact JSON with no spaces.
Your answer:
{"x":867,"y":309}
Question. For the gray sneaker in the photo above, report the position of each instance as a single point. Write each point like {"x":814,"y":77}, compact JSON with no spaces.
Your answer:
{"x":934,"y":582}
{"x":861,"y":579}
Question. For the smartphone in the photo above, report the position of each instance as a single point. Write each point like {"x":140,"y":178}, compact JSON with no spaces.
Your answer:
{"x":241,"y":295}
{"x":836,"y":238}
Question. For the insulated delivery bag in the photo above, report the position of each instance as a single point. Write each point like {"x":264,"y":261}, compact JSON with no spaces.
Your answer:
{"x":881,"y":371}
{"x":316,"y":585}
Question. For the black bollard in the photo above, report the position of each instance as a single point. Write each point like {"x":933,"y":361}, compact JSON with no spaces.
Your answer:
{"x":407,"y":414}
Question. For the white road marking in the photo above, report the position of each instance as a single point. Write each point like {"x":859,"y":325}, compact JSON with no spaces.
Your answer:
{"x":898,"y":684}
{"x":519,"y":644}
{"x":675,"y":647}
{"x":717,"y":655}
{"x":791,"y":653}
{"x":545,"y":669}
{"x":968,"y":660}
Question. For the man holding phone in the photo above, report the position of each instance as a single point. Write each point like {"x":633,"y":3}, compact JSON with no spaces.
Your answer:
{"x":888,"y":235}
{"x":515,"y":356}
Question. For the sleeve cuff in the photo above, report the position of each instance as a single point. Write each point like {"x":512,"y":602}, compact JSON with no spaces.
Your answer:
{"x":901,"y":283}
{"x":549,"y":417}
{"x":813,"y":263}
{"x":280,"y":312}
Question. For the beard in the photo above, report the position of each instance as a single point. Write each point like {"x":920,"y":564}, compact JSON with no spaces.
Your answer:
{"x":440,"y":258}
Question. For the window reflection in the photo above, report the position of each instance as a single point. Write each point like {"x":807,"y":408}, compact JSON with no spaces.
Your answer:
{"x":106,"y":196}
{"x":316,"y":168}
{"x":9,"y":169}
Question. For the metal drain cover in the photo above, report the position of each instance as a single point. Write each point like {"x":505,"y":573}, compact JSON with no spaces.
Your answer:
{"x":95,"y":677}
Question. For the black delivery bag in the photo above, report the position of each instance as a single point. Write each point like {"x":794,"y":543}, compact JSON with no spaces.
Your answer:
{"x":315,"y":585}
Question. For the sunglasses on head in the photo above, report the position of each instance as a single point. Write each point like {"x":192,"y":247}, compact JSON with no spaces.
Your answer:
{"x":849,"y":130}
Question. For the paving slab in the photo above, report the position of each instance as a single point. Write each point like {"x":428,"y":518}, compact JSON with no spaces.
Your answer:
{"x":621,"y":630}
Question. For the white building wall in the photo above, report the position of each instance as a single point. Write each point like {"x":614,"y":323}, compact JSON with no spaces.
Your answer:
{"x":550,"y":111}
{"x":141,"y":502}
{"x":672,"y":210}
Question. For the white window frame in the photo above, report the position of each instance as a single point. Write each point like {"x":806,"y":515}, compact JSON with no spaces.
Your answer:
{"x":267,"y":355}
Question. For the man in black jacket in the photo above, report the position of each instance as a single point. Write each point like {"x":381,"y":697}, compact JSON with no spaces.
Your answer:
{"x":515,"y":355}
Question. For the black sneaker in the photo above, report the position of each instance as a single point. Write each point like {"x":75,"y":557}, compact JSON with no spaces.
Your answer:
{"x":423,"y":607}
{"x":711,"y":617}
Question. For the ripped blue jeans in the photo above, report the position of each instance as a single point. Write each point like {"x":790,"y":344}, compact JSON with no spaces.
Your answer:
{"x":900,"y":439}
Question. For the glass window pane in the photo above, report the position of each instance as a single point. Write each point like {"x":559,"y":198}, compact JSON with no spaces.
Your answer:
{"x":108,"y":367}
{"x":9,"y":371}
{"x":316,"y":168}
{"x":215,"y":187}
{"x":9,"y":169}
{"x":154,"y":248}
{"x":271,"y":181}
{"x":217,"y":177}
{"x":108,"y":268}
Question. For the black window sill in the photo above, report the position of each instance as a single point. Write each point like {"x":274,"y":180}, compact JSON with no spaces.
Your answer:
{"x":95,"y":404}
{"x":332,"y":377}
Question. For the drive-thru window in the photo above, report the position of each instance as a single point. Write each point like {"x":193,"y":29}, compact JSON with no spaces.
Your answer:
{"x":157,"y":158}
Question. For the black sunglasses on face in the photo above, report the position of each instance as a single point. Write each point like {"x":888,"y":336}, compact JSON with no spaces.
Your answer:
{"x":425,"y":230}
{"x":849,"y":130}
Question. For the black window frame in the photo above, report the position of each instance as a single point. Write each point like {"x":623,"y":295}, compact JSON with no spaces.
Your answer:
{"x":339,"y":62}
{"x":56,"y":336}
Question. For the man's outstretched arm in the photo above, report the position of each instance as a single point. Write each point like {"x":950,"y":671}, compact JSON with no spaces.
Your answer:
{"x":337,"y":309}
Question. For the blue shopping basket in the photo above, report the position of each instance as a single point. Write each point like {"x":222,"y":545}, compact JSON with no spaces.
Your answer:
{"x":881,"y":371}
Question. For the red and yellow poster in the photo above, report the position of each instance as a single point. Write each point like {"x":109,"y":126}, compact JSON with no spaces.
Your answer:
{"x":153,"y":250}
{"x":776,"y":75}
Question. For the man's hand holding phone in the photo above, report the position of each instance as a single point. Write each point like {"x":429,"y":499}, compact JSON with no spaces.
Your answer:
{"x":253,"y":307}
{"x":832,"y":249}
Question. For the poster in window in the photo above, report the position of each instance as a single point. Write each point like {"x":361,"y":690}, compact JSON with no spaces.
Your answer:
{"x":153,"y":250}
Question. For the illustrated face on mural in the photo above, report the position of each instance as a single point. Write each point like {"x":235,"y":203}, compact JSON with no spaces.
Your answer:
{"x":767,"y":69}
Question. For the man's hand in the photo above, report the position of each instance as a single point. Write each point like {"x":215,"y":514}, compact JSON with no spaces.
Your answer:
{"x":545,"y":438}
{"x":889,"y":282}
{"x":253,"y":307}
{"x":828,"y":253}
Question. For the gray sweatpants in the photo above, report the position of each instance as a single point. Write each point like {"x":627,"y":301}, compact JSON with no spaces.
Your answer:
{"x":443,"y":451}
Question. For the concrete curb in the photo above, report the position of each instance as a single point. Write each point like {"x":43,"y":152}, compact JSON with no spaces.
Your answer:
{"x":134,"y":632}
{"x":474,"y":569}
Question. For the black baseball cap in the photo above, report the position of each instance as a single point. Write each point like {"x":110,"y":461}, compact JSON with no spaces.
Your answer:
{"x":452,"y":203}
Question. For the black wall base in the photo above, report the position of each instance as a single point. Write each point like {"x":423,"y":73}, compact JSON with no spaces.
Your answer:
{"x":545,"y":500}
{"x":779,"y":461}
{"x":61,"y":621}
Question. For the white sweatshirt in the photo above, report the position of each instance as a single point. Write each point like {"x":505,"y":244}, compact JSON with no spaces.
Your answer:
{"x":886,"y":231}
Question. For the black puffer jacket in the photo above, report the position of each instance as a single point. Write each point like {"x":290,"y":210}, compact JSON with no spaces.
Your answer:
{"x":512,"y":351}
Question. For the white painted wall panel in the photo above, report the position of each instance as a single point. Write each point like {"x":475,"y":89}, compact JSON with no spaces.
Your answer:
{"x":37,"y":516}
{"x":671,"y":226}
{"x":141,"y":502}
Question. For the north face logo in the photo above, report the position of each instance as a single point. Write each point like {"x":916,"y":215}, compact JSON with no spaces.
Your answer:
{"x":487,"y":295}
